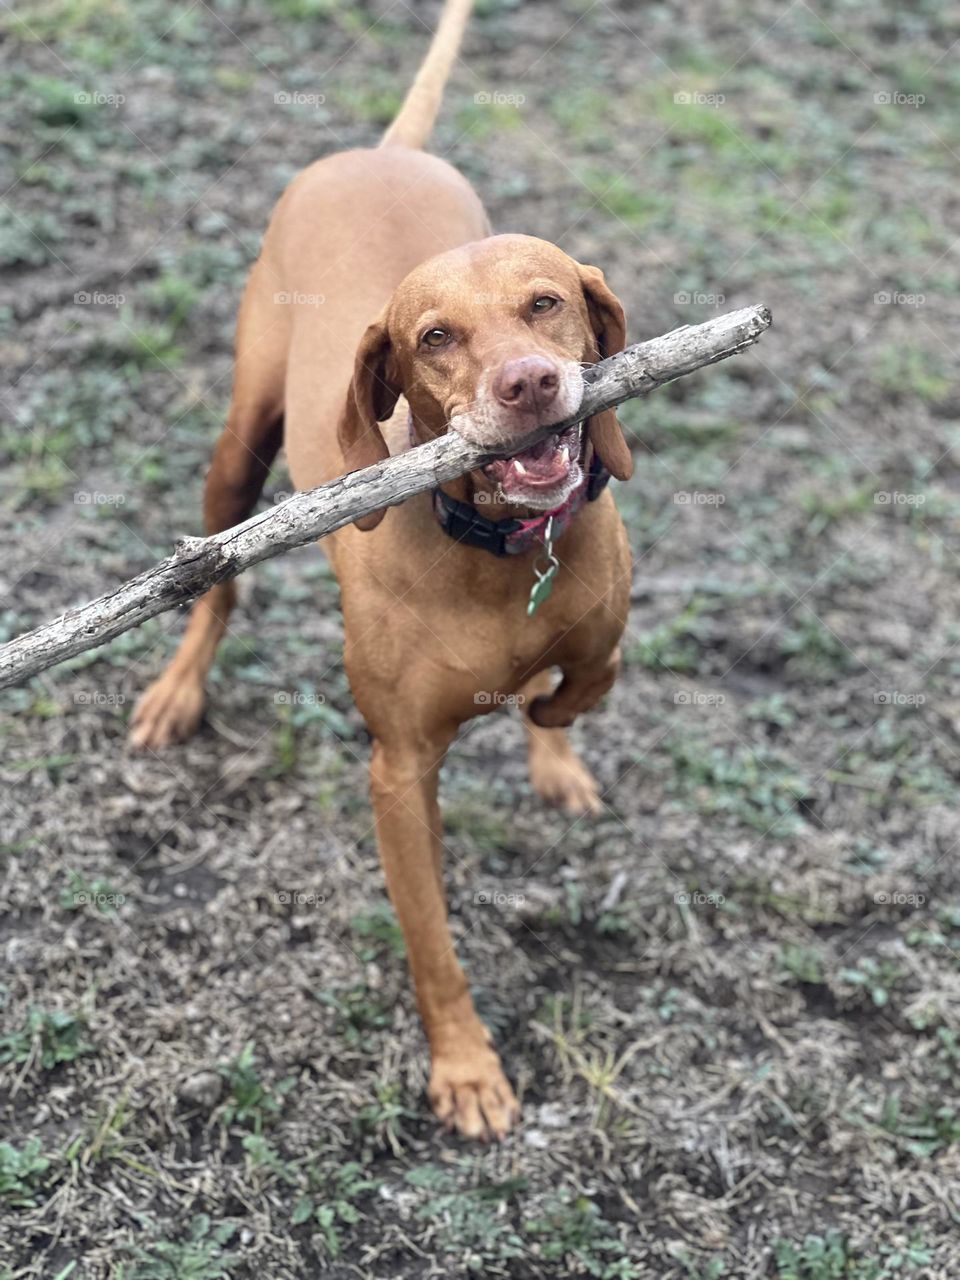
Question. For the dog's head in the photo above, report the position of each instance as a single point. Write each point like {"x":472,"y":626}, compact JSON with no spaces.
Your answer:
{"x":490,"y":340}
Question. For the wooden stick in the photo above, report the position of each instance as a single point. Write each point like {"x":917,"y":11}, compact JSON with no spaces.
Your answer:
{"x":198,"y":563}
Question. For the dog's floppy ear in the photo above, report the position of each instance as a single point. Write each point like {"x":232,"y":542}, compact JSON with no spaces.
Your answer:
{"x":610,"y":336}
{"x":371,"y":398}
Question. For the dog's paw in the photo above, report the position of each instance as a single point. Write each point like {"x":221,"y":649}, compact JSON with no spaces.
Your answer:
{"x":565,"y":782}
{"x":470,"y":1094}
{"x":169,"y":711}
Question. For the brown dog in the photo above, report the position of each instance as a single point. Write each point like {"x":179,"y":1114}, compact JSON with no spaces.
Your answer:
{"x":487,"y":335}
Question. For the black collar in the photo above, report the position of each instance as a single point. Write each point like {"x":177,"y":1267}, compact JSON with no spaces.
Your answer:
{"x":507,"y":537}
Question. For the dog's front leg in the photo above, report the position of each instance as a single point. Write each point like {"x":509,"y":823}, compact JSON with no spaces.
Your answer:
{"x":468,"y":1090}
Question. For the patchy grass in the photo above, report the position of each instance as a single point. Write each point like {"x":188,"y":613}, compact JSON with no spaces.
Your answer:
{"x":46,"y":1038}
{"x":210,"y":1061}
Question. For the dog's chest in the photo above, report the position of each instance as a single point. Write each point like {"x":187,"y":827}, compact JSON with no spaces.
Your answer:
{"x":503,"y":643}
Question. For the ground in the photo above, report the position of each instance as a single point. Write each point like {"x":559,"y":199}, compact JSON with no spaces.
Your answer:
{"x":730,"y":1003}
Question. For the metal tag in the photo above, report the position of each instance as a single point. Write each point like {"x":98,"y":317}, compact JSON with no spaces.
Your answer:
{"x":541,"y":589}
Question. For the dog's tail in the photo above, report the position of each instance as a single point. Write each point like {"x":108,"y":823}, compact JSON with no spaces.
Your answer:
{"x":414,"y":122}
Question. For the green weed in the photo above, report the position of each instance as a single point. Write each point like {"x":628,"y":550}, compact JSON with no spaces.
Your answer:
{"x":49,"y":1037}
{"x":21,"y":1173}
{"x":750,"y":786}
{"x":833,"y":1257}
{"x":573,"y":1231}
{"x":250,"y":1102}
{"x":201,"y":1256}
{"x":331,"y":1203}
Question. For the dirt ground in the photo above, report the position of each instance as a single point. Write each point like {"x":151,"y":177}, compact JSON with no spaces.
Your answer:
{"x":731,"y":1002}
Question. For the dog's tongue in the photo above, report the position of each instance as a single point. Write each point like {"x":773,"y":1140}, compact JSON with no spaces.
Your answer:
{"x":546,"y":464}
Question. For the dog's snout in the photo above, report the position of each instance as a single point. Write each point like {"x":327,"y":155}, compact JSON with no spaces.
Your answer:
{"x":528,"y":384}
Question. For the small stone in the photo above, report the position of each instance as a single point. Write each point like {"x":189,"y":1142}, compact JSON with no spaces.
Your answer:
{"x":552,"y":1117}
{"x":202,"y":1090}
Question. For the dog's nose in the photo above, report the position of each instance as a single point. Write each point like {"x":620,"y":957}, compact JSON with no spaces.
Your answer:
{"x":529,"y":384}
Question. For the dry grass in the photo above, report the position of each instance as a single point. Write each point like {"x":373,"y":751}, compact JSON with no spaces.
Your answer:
{"x":731,"y":1003}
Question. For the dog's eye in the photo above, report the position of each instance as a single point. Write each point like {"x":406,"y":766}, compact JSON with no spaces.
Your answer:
{"x":544,"y":303}
{"x":435,"y":338}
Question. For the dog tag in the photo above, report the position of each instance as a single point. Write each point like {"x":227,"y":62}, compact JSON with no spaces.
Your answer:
{"x":541,"y":589}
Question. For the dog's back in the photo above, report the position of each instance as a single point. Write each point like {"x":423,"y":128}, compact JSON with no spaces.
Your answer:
{"x":346,"y":233}
{"x":343,"y":236}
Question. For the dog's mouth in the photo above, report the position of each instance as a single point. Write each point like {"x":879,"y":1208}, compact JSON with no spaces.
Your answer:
{"x":542,"y":476}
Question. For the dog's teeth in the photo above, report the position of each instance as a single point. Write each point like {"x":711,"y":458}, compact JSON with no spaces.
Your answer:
{"x":520,"y":467}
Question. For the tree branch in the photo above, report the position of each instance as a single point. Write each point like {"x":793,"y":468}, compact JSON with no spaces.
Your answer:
{"x":198,"y":563}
